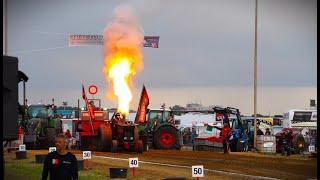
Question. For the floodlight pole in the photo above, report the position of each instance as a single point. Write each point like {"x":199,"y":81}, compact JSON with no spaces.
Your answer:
{"x":255,"y":75}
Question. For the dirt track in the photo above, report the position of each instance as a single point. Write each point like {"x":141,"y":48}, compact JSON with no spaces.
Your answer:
{"x":293,"y":167}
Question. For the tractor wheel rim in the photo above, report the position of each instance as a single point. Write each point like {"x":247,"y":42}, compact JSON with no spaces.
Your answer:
{"x":166,"y":139}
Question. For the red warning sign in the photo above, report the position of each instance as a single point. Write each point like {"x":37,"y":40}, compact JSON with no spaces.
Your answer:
{"x":93,"y":89}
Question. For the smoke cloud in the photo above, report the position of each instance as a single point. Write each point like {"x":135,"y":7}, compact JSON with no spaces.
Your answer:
{"x":123,"y":37}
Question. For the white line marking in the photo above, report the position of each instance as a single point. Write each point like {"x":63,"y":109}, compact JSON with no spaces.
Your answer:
{"x":189,"y":167}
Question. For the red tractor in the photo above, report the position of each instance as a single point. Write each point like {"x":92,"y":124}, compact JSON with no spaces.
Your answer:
{"x":296,"y":143}
{"x":103,"y":134}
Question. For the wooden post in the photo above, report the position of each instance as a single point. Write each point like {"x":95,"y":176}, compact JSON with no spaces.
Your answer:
{"x":86,"y":164}
{"x":133,"y":172}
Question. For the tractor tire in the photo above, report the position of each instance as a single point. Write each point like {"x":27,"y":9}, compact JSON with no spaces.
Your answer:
{"x":136,"y":134}
{"x":167,"y":137}
{"x":238,"y":146}
{"x":114,"y":146}
{"x":300,"y":144}
{"x":50,"y":137}
{"x":84,"y":144}
{"x":140,"y":147}
{"x":104,"y":137}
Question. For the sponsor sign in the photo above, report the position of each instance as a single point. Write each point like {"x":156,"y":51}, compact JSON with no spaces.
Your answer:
{"x":268,"y":144}
{"x":85,"y":40}
{"x":94,"y":40}
{"x":151,"y":41}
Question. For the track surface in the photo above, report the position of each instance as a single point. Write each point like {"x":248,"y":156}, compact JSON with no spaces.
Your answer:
{"x":230,"y":166}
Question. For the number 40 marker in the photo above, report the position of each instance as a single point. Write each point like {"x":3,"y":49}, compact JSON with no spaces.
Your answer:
{"x":133,"y":164}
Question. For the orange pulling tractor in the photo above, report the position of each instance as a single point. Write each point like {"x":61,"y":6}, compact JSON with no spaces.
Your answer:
{"x":99,"y":133}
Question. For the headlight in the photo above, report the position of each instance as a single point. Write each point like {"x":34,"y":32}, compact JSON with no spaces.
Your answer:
{"x":131,"y":138}
{"x":125,"y":138}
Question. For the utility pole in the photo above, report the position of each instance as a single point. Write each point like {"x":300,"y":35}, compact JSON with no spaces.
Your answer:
{"x":255,"y":75}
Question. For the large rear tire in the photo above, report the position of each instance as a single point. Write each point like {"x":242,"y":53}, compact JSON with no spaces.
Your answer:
{"x":50,"y":137}
{"x":105,"y":137}
{"x":167,"y":137}
{"x":140,"y":147}
{"x":114,"y":147}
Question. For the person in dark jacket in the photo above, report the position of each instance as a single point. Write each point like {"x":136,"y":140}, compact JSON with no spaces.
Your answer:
{"x":288,"y":141}
{"x":225,"y":132}
{"x":259,"y":131}
{"x":268,"y":133}
{"x":61,"y":165}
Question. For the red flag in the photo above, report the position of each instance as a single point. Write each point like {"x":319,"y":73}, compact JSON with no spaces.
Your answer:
{"x":142,"y":109}
{"x":84,"y":94}
{"x":88,"y":105}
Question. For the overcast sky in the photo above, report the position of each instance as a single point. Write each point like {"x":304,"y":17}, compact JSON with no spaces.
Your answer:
{"x":205,"y":52}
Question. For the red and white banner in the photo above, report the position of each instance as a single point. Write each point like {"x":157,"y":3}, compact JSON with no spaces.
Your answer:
{"x":94,"y":40}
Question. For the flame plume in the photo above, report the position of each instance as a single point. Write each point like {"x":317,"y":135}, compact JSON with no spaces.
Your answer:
{"x":123,"y":39}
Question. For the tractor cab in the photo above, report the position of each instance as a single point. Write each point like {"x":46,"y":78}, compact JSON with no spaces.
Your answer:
{"x":41,"y":126}
{"x":159,"y":131}
{"x":40,"y":111}
{"x":156,"y":117}
{"x":232,"y":116}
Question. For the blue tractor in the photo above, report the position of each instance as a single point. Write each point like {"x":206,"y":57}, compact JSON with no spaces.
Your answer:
{"x":237,"y":138}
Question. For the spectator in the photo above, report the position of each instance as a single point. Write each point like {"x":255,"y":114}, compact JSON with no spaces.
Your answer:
{"x":225,"y":133}
{"x":268,"y":133}
{"x":244,"y":141}
{"x":193,"y":136}
{"x":250,"y":136}
{"x":288,"y":139}
{"x":69,"y":138}
{"x":60,"y":164}
{"x":259,"y":131}
{"x":67,"y":134}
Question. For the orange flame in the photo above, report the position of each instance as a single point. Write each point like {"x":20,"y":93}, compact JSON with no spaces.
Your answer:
{"x":123,"y":58}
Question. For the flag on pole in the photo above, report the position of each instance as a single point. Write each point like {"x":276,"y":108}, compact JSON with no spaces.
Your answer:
{"x":209,"y":128}
{"x":89,"y":107}
{"x":142,"y":109}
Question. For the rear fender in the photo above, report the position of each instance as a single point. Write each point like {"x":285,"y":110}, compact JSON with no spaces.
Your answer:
{"x":165,"y":124}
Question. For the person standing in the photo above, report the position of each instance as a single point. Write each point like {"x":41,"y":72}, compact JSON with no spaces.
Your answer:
{"x":288,"y":137}
{"x":251,"y":136}
{"x":69,"y":138}
{"x":67,"y":134}
{"x":61,"y":165}
{"x":268,"y":133}
{"x":259,"y":131}
{"x":245,"y":141}
{"x":225,"y":132}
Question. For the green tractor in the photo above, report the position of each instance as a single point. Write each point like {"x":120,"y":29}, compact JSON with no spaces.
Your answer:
{"x":41,"y":126}
{"x":159,"y":131}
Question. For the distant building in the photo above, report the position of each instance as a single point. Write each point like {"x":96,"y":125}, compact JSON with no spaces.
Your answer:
{"x":193,"y":107}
